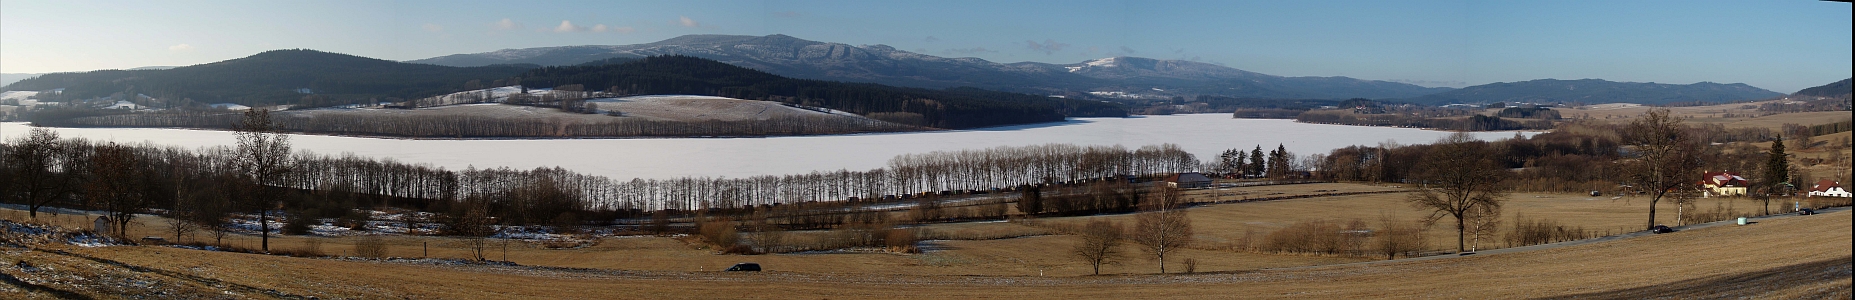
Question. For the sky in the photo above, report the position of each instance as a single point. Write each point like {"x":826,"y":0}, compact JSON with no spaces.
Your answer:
{"x":1782,"y":46}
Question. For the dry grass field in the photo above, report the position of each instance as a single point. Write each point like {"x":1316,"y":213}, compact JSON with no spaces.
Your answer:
{"x":1623,"y":113}
{"x":1793,"y":258}
{"x":1018,"y":248}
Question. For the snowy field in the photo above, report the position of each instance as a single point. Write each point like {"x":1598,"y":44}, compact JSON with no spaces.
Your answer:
{"x":704,"y":108}
{"x":1204,"y":135}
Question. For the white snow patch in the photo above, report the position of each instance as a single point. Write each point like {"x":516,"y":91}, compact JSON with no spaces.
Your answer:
{"x":1105,"y":62}
{"x":1609,"y":106}
{"x":17,"y":95}
{"x":122,"y":104}
{"x":230,"y":106}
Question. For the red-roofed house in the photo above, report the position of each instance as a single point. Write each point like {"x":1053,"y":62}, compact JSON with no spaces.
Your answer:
{"x":1828,"y":188}
{"x":1723,"y":184}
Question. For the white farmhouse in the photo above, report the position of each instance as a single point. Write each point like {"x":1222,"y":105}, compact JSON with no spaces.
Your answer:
{"x":1828,"y":188}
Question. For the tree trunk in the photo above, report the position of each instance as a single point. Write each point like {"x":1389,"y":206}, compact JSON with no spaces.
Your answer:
{"x":1461,"y":229}
{"x":264,"y":229}
{"x":1162,"y":263}
{"x":1681,"y":212}
{"x":1652,"y":212}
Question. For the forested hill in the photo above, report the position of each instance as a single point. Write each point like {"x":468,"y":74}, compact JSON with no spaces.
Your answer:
{"x":1595,"y":91}
{"x":953,"y":108}
{"x":304,"y":77}
{"x":1833,"y":89}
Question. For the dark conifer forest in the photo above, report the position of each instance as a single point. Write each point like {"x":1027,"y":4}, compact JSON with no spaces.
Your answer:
{"x":951,"y":108}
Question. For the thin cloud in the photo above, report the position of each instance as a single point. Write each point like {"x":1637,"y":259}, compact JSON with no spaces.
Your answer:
{"x":685,"y":21}
{"x":968,"y":51}
{"x":613,"y":29}
{"x":432,"y":27}
{"x":505,"y":24}
{"x":567,"y":26}
{"x":1047,"y":47}
{"x":931,"y":39}
{"x":1128,"y":51}
{"x":180,"y":48}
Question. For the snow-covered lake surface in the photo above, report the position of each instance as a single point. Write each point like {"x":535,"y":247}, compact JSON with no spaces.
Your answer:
{"x":1204,"y":135}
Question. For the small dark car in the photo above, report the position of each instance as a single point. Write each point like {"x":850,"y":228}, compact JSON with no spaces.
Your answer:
{"x":744,"y":267}
{"x":1806,"y":212}
{"x":1660,"y":229}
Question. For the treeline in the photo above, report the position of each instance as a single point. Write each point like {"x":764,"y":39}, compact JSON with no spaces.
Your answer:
{"x":1470,"y":123}
{"x":48,"y":170}
{"x":1574,"y":157}
{"x":1529,"y":113}
{"x":952,"y":108}
{"x":466,"y":126}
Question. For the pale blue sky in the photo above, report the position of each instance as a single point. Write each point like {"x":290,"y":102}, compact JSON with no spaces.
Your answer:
{"x":1778,"y":45}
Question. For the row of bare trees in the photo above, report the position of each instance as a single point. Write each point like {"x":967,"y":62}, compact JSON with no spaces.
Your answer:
{"x":295,"y":182}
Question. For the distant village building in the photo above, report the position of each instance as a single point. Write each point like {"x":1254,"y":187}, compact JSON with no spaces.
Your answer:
{"x":1722,"y":184}
{"x":1828,"y":188}
{"x":1188,"y":180}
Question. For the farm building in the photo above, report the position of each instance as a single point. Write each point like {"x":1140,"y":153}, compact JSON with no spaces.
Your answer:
{"x":1188,"y":180}
{"x":1723,"y":184}
{"x":103,"y":226}
{"x":1828,"y":188}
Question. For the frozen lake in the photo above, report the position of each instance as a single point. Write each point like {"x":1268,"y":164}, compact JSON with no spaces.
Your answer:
{"x":1204,"y":135}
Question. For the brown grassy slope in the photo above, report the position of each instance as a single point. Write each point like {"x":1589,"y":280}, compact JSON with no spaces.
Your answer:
{"x":1782,"y":258}
{"x":978,"y":253}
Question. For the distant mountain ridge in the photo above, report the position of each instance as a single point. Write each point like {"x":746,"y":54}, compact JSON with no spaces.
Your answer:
{"x":799,"y":58}
{"x":10,"y":78}
{"x":275,"y":77}
{"x":1833,"y":89}
{"x":1597,"y":91}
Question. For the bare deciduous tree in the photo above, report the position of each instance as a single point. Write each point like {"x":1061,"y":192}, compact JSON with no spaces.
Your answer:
{"x":1101,"y":243}
{"x":1666,"y":156}
{"x":1163,"y":227}
{"x":475,"y":226}
{"x":1395,"y":237}
{"x":1484,"y":221}
{"x":31,"y":159}
{"x":118,"y":185}
{"x":263,"y":157}
{"x":1457,"y":177}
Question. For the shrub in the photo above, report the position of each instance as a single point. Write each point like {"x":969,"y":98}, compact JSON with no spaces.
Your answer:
{"x":1825,"y":202}
{"x":719,"y":233}
{"x":1396,"y":238}
{"x":298,"y":224}
{"x":900,"y":240}
{"x":370,"y":247}
{"x":1719,"y":212}
{"x":1530,"y":232}
{"x":1318,"y":237}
